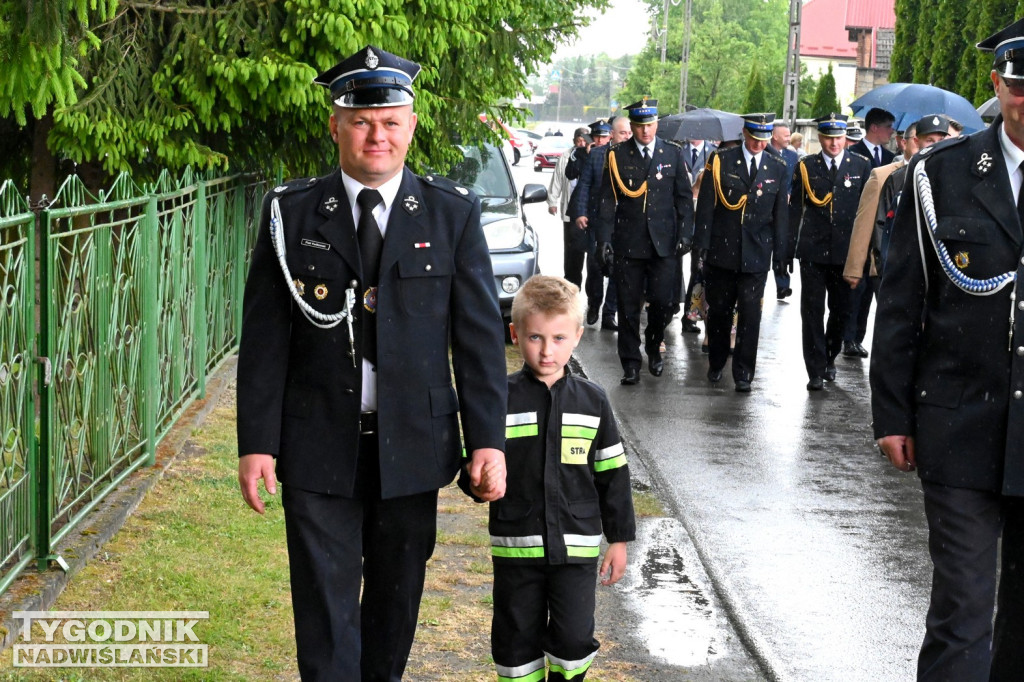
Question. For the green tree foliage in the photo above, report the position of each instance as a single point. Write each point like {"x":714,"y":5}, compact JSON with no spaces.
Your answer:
{"x":901,"y":69}
{"x":948,"y":44}
{"x":825,"y":99}
{"x":148,"y":84}
{"x":924,"y":36}
{"x":966,"y":83}
{"x":755,"y":100}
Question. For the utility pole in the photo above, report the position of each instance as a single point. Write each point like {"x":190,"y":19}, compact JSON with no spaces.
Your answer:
{"x":664,"y":33}
{"x":684,"y":71}
{"x":791,"y":80}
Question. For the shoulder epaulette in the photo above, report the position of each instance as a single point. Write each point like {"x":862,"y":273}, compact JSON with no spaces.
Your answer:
{"x":942,"y":145}
{"x":443,"y":183}
{"x":676,"y":143}
{"x":859,"y":156}
{"x":295,"y":186}
{"x":777,"y":159}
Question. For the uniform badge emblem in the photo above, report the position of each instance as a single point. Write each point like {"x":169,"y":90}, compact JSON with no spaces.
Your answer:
{"x":370,"y":299}
{"x":372,"y":60}
{"x":847,"y":183}
{"x":331,"y":204}
{"x":320,"y":291}
{"x":300,"y":287}
{"x":411,"y":205}
{"x":462,"y":190}
{"x":984,"y":164}
{"x":962,"y":260}
{"x":280,"y":188}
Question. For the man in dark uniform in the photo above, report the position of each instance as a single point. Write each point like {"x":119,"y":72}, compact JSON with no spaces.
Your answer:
{"x":781,"y":137}
{"x":878,"y":124}
{"x":823,"y":204}
{"x":359,"y":279}
{"x":741,"y":224}
{"x":947,"y":379}
{"x":645,"y":225}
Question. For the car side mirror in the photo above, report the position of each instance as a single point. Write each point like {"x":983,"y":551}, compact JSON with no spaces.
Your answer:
{"x":532,"y":193}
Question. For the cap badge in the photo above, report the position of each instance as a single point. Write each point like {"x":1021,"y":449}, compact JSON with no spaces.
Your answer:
{"x":984,"y":164}
{"x":372,"y":60}
{"x":300,"y":287}
{"x":320,"y":291}
{"x":935,"y":120}
{"x":331,"y":204}
{"x":962,"y":260}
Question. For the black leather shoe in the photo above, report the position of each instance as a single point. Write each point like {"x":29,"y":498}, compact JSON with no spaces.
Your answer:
{"x":742,"y":386}
{"x":690,"y":326}
{"x":815,"y":384}
{"x":861,"y":350}
{"x":830,"y":372}
{"x":655,"y":363}
{"x":784,"y":292}
{"x":609,"y":325}
{"x":592,"y":314}
{"x":714,"y":375}
{"x":630,"y":377}
{"x":850,"y":349}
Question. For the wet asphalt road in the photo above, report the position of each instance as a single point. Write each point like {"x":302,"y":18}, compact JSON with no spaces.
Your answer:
{"x":812,"y":549}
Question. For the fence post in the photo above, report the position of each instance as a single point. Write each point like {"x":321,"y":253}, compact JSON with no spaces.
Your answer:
{"x":150,"y":321}
{"x":201,"y":277}
{"x":239,"y":271}
{"x":42,"y":506}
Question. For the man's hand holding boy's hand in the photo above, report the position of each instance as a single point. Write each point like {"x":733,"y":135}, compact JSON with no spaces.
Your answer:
{"x":487,"y":474}
{"x":614,"y":565}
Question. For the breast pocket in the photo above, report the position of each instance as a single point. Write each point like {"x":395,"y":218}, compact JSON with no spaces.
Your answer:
{"x":976,"y":246}
{"x":424,"y":282}
{"x":319,"y":280}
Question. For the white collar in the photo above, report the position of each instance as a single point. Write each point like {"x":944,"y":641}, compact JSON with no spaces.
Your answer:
{"x":388,"y":190}
{"x":828,"y":160}
{"x":641,"y":147}
{"x":1013,"y":156}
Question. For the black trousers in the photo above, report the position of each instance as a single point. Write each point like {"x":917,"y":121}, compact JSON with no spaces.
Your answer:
{"x":595,"y":285}
{"x":540,"y":612}
{"x":964,"y":528}
{"x":575,"y":245}
{"x":744,"y":291}
{"x":822,"y":342}
{"x":860,"y":306}
{"x":336,"y":544}
{"x":636,"y":280}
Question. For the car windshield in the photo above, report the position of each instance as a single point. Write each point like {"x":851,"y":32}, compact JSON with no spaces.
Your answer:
{"x":483,"y":171}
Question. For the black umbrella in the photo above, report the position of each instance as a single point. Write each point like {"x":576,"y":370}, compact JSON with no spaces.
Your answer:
{"x":701,"y":124}
{"x":989,"y":109}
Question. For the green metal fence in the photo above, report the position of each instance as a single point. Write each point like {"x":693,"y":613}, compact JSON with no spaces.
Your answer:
{"x":139,"y":295}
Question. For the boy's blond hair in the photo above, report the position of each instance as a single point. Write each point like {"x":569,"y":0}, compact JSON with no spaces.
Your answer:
{"x":548,"y":296}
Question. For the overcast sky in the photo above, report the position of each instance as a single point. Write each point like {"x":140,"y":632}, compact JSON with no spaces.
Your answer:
{"x":622,"y":29}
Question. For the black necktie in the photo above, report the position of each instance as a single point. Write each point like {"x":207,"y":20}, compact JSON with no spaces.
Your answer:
{"x":647,"y":155}
{"x":370,"y":243}
{"x":693,"y":157}
{"x":878,"y":156}
{"x":832,"y":170}
{"x":1020,"y":199}
{"x":753,"y":167}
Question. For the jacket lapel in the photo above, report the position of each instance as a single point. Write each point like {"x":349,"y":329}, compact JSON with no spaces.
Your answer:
{"x":338,"y":228}
{"x":407,"y":225}
{"x":994,"y":191}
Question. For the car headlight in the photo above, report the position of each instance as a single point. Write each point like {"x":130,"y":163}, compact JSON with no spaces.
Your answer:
{"x":504,"y":234}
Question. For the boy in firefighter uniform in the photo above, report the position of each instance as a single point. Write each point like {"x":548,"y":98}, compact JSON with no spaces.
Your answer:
{"x":567,"y":483}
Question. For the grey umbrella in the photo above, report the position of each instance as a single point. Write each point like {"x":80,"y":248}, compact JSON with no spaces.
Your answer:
{"x":701,"y":124}
{"x":990,"y":109}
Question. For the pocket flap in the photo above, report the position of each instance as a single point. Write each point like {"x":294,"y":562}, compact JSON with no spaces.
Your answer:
{"x":585,"y":509}
{"x":511,"y":510}
{"x":957,"y":228}
{"x":425,"y":263}
{"x":946,"y":394}
{"x":443,"y":400}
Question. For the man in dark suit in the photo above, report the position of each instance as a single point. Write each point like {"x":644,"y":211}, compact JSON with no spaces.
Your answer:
{"x":645,"y":224}
{"x":741,"y":224}
{"x":696,"y":153}
{"x":823,"y":204}
{"x":359,"y":279}
{"x":947,"y":379}
{"x":878,"y":130}
{"x":781,"y":137}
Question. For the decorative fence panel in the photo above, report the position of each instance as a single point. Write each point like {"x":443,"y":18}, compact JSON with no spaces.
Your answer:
{"x":138,"y":300}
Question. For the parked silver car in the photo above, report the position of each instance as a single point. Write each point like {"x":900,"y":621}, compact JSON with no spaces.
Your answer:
{"x":512,"y":240}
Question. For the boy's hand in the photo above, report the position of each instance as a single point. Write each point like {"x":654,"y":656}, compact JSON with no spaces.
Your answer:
{"x":487,"y":474}
{"x":614,"y":565}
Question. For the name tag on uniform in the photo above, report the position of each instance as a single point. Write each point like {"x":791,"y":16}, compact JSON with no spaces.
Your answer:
{"x":316,"y":245}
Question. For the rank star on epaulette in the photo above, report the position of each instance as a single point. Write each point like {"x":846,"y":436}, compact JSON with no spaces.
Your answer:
{"x":411,"y":205}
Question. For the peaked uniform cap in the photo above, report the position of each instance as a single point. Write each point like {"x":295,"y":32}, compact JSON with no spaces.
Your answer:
{"x":854,"y":132}
{"x":371,"y":78}
{"x":644,"y":111}
{"x":600,"y":127}
{"x":1007,"y":45}
{"x":933,"y":123}
{"x":832,"y":125}
{"x":759,"y":126}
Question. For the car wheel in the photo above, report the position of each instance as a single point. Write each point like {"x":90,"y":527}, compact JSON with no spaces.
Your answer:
{"x":515,"y":156}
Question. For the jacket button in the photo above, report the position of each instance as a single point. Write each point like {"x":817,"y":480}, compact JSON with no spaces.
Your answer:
{"x":349,"y":391}
{"x":427,"y":268}
{"x":1020,"y":305}
{"x":1020,"y":350}
{"x":1017,"y":395}
{"x":924,"y":394}
{"x":963,"y":232}
{"x":311,"y":267}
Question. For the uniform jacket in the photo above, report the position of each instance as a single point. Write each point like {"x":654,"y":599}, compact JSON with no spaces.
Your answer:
{"x":861,"y":148}
{"x":743,"y":240}
{"x":587,"y":195}
{"x":790,"y":157}
{"x":654,"y":225}
{"x":298,"y":388}
{"x":945,"y":369}
{"x":695,"y":169}
{"x":822,"y":233}
{"x":866,"y":236}
{"x":568,"y":480}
